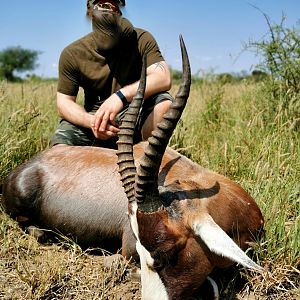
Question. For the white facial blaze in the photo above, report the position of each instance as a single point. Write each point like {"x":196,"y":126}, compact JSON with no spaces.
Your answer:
{"x":133,"y":220}
{"x":152,"y":286}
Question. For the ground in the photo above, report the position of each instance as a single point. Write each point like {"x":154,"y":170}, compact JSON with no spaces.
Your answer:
{"x":62,"y":270}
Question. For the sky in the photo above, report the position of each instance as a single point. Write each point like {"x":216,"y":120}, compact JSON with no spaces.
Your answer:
{"x":214,"y":30}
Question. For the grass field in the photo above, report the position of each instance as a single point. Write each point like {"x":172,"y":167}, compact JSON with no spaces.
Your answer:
{"x":235,"y":129}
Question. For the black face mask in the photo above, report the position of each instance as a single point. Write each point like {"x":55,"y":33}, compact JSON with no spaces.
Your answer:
{"x":107,"y":29}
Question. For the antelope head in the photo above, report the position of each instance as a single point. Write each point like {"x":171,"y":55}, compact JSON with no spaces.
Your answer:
{"x":176,"y":255}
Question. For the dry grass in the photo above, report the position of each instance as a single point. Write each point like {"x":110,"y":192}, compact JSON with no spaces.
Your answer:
{"x":29,"y":270}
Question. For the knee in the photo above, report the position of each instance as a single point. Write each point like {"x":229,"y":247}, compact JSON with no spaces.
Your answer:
{"x":155,"y":117}
{"x":162,"y":107}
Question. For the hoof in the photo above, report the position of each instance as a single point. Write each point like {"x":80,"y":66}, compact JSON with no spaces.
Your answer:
{"x":113,"y":261}
{"x":134,"y":274}
{"x":37,"y":233}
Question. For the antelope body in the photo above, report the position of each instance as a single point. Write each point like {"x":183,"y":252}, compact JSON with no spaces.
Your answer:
{"x":182,"y":221}
{"x":77,"y":190}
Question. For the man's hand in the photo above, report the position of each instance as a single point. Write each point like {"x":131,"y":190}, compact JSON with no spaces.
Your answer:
{"x":103,"y":124}
{"x":105,"y":135}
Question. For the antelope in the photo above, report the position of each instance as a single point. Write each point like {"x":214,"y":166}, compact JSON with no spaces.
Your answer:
{"x":182,"y":220}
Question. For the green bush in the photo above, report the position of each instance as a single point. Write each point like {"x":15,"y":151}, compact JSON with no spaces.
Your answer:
{"x":280,"y":53}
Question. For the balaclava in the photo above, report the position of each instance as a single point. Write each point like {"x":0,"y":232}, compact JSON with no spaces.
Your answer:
{"x":108,"y":25}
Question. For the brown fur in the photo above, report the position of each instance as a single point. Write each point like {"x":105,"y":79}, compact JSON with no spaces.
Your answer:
{"x":181,"y":261}
{"x":77,"y":191}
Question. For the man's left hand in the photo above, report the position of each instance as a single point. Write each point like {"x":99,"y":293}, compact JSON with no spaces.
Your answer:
{"x":106,"y":114}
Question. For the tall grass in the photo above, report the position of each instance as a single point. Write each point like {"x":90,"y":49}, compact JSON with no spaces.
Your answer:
{"x":27,"y":119}
{"x":232,"y":130}
{"x":229,"y":128}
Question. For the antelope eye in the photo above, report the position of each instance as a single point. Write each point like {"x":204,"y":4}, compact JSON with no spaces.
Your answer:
{"x":162,"y":258}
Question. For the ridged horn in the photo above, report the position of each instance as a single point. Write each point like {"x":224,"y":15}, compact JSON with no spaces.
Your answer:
{"x":146,"y":188}
{"x":126,"y":164}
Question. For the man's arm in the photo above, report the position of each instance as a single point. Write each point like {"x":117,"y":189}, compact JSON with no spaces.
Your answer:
{"x":69,"y":110}
{"x":158,"y":80}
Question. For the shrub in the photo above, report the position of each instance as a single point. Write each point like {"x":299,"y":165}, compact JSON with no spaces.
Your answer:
{"x":280,"y":52}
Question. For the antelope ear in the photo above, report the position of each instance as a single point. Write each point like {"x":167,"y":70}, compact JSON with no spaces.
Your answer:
{"x":220,"y":243}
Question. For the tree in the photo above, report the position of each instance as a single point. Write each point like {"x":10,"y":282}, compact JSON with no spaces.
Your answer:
{"x":280,"y":53}
{"x":17,"y":59}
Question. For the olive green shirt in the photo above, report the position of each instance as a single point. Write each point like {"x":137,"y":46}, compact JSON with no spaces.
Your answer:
{"x":100,"y":75}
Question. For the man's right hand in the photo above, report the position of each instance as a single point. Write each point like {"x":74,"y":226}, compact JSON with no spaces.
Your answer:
{"x":69,"y":110}
{"x":110,"y":131}
{"x":103,"y":124}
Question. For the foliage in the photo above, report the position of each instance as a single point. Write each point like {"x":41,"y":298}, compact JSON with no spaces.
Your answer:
{"x":175,"y":74}
{"x":228,"y":129}
{"x":212,"y":113}
{"x":17,"y":59}
{"x":25,"y":122}
{"x":225,"y":127}
{"x":259,"y":75}
{"x":280,"y":53}
{"x":224,"y":78}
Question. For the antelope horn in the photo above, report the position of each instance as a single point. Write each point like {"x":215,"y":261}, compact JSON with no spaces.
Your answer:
{"x":146,"y":186}
{"x":126,"y":164}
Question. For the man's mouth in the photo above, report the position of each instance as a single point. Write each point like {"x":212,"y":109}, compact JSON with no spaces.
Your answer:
{"x":107,"y":7}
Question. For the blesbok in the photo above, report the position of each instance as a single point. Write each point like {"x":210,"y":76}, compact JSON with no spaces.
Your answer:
{"x":184,"y":220}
